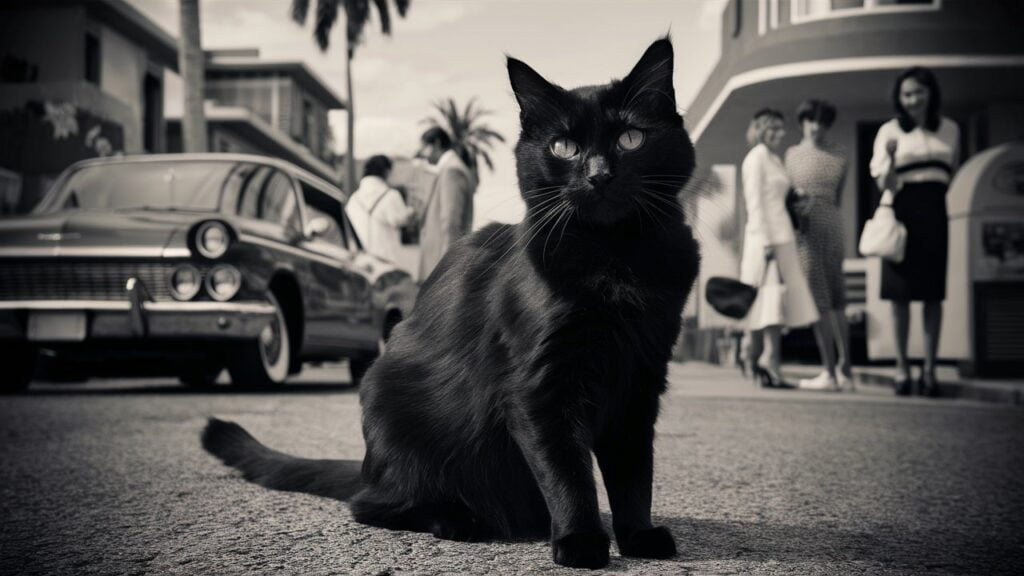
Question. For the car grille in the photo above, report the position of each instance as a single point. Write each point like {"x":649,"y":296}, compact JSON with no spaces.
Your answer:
{"x":88,"y":280}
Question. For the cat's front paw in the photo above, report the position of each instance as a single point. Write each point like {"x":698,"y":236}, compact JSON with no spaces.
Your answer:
{"x":581,"y":550}
{"x":649,"y":543}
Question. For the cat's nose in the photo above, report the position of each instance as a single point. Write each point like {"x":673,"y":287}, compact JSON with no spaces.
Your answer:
{"x":598,"y":171}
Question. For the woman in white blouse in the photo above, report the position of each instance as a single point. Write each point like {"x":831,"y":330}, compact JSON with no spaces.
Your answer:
{"x":915,"y":156}
{"x":769,"y":249}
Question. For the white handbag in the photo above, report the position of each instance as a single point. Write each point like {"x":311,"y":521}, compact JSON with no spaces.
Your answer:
{"x":883,"y":234}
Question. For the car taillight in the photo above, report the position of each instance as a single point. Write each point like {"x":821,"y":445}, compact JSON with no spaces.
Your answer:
{"x":212,"y":239}
{"x":185,"y":282}
{"x":223,"y":282}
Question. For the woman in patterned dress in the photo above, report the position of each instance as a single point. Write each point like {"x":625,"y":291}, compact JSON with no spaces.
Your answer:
{"x":817,"y":168}
{"x":915,"y":178}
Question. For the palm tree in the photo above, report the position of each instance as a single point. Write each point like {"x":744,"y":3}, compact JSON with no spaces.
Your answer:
{"x":191,"y":61}
{"x":470,"y":139}
{"x":357,"y":14}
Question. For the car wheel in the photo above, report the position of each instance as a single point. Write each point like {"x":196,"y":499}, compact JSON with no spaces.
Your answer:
{"x":18,"y":362}
{"x":358,"y":365}
{"x":263,"y":362}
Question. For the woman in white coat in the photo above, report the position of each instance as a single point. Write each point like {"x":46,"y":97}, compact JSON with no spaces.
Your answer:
{"x":770,"y":257}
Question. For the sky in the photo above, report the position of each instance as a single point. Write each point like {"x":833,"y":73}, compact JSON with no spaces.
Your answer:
{"x":457,"y":49}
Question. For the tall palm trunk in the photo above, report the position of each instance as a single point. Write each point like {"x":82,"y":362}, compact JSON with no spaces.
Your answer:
{"x":191,"y":65}
{"x":350,"y":174}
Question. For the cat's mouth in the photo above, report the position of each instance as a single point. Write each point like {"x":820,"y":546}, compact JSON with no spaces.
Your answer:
{"x":604,"y":204}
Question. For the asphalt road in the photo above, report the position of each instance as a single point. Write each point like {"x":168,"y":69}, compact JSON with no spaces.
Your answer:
{"x":109,"y":478}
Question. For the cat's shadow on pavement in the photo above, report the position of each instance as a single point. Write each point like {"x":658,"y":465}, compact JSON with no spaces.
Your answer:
{"x":707,"y":540}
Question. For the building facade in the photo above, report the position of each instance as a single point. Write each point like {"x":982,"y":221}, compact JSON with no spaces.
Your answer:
{"x":77,"y":80}
{"x":776,"y":53}
{"x":274,"y":108}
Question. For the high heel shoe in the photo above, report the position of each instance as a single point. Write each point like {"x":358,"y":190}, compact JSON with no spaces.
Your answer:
{"x":769,"y":379}
{"x":928,"y":386}
{"x":903,"y":386}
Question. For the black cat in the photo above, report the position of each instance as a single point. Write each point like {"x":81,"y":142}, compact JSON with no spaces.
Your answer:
{"x":533,"y":346}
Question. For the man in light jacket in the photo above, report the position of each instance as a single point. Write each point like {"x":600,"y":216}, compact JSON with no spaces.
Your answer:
{"x":448,"y":215}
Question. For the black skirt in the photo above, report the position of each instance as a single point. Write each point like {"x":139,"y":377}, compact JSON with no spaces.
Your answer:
{"x":921,"y":207}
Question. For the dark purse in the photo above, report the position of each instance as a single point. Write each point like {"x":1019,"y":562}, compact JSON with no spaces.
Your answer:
{"x":730,"y":297}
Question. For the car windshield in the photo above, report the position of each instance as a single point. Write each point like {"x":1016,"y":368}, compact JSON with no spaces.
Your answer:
{"x":174,"y":185}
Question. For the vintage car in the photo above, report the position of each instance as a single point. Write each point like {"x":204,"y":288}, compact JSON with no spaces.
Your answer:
{"x":187,"y":264}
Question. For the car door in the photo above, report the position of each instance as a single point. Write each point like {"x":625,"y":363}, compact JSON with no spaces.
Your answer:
{"x":339,"y":318}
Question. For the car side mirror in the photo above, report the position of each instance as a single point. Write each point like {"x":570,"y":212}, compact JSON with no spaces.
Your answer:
{"x":318,"y":227}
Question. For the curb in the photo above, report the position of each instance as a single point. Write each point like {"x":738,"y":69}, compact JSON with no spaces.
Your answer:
{"x":981,"y":392}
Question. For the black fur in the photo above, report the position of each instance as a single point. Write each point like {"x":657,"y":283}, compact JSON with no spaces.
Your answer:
{"x":533,"y":346}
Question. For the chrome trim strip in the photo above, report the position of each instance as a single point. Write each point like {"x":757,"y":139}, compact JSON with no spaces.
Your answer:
{"x":125,"y":306}
{"x":239,"y":307}
{"x":93,"y":251}
{"x":288,"y":248}
{"x":176,"y":253}
{"x":116,"y":305}
{"x":27,"y":251}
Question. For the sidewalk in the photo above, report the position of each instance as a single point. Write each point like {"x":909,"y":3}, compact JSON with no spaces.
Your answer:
{"x":951,"y":384}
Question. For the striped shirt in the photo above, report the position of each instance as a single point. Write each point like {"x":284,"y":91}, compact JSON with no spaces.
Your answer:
{"x":921,"y":155}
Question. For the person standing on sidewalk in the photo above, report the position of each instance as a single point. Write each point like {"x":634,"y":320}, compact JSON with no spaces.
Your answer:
{"x":915,"y":179}
{"x":817,"y":168}
{"x":377,"y":211}
{"x":769,"y":249}
{"x":449,"y":208}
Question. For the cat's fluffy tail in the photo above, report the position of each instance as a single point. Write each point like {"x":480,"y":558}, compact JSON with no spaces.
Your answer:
{"x":338,"y":479}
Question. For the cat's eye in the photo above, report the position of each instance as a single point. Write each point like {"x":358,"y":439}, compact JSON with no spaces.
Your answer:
{"x":631,"y":139}
{"x":564,"y":148}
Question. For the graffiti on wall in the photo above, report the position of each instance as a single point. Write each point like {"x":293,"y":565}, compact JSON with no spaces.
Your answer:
{"x":46,"y":137}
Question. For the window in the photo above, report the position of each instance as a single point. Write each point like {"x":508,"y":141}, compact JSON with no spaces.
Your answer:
{"x":308,"y":122}
{"x":334,"y":234}
{"x":152,"y":105}
{"x":767,"y":16}
{"x":92,"y":59}
{"x":808,"y":10}
{"x":320,"y":204}
{"x":262,"y":193}
{"x":278,"y":201}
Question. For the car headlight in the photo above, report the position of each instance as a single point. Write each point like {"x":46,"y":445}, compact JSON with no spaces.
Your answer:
{"x":185,"y":282}
{"x":223,"y":282}
{"x":212,"y":239}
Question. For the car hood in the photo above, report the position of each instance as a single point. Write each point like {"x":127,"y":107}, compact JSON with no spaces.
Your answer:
{"x":93,"y":233}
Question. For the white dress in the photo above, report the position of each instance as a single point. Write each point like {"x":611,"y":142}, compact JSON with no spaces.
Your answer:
{"x":765,"y":185}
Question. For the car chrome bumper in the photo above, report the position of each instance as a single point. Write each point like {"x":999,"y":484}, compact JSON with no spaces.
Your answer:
{"x":138,"y":318}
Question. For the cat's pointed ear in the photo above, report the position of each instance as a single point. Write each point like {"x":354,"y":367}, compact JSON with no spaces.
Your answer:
{"x":531,"y":89}
{"x":651,"y":78}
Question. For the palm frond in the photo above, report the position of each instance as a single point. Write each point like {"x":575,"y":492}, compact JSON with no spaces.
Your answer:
{"x":357,"y":13}
{"x":326,"y":15}
{"x":469,"y":138}
{"x":385,"y":16}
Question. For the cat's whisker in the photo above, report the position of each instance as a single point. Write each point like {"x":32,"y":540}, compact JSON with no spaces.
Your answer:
{"x":544,"y":218}
{"x":544,"y":252}
{"x":572,"y":213}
